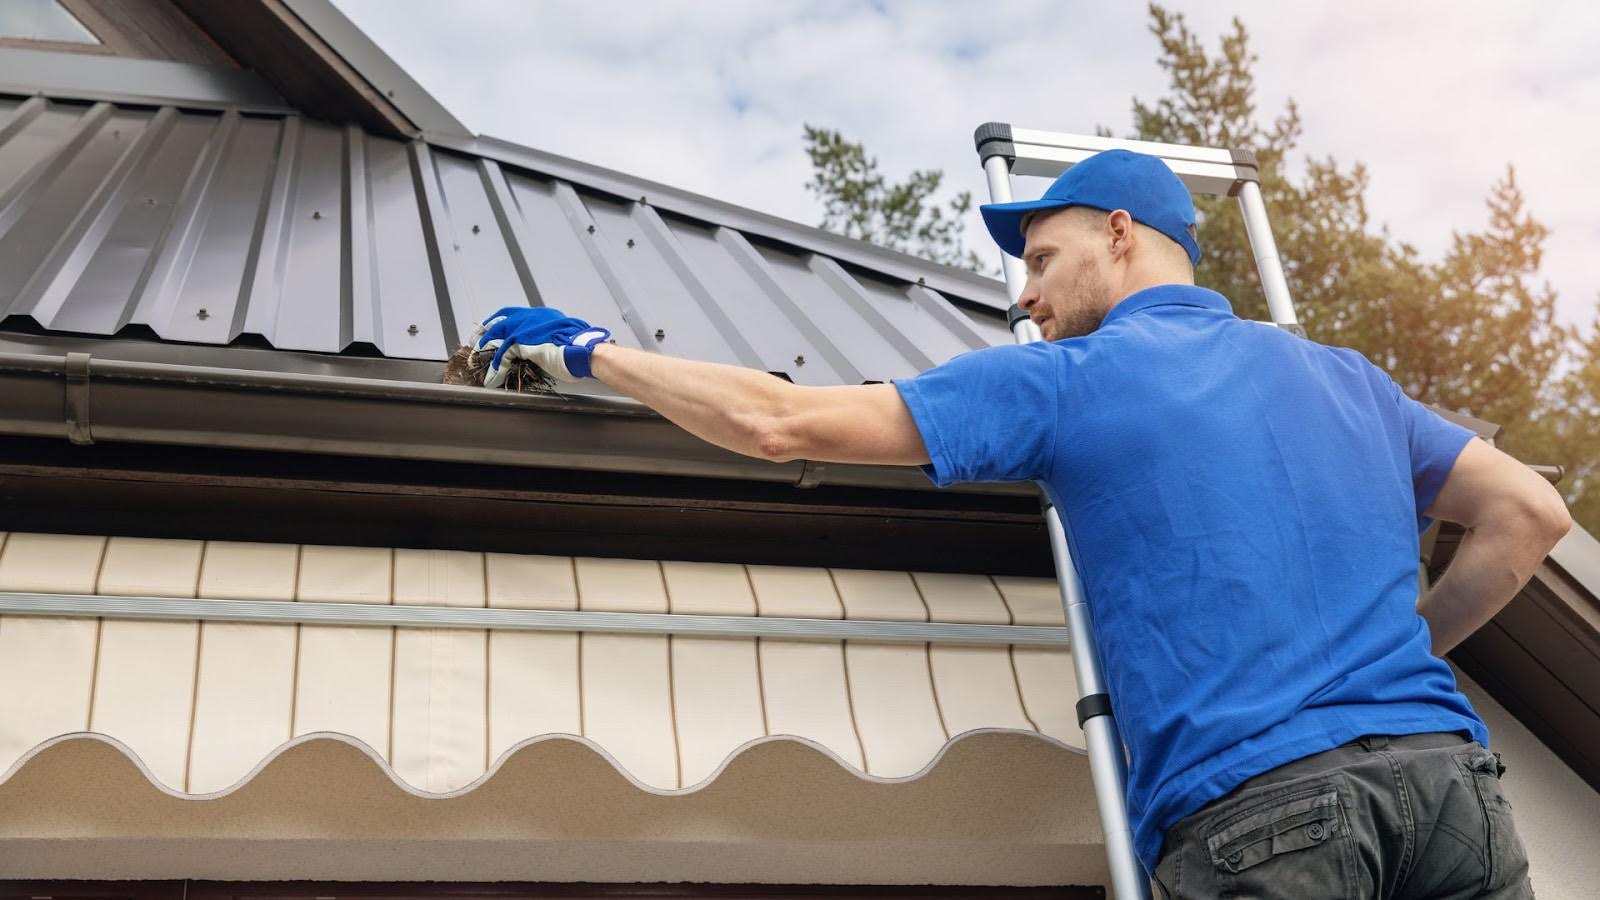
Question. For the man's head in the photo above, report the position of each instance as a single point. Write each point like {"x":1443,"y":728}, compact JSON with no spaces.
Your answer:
{"x":1116,"y":223}
{"x":1082,"y":261}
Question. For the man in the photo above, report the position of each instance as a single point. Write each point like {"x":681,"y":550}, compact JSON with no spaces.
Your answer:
{"x":1244,"y":508}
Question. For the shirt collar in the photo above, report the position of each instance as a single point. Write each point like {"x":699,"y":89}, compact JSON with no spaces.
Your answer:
{"x":1168,"y":295}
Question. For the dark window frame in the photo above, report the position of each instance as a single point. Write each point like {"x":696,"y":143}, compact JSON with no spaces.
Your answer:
{"x":101,"y":46}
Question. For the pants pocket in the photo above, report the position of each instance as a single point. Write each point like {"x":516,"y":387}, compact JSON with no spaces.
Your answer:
{"x":1505,"y":859}
{"x":1295,"y":844}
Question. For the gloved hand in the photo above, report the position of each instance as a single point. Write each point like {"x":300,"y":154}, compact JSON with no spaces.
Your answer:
{"x":557,"y":343}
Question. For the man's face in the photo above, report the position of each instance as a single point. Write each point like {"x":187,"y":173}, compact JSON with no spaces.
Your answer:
{"x":1068,"y":261}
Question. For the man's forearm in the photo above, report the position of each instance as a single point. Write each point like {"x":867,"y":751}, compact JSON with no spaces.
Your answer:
{"x":729,"y":406}
{"x":1488,"y":569}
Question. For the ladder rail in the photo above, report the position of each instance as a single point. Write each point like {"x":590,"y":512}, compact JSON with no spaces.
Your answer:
{"x":1107,"y":759}
{"x":1268,"y":264}
{"x":1096,"y":143}
{"x":1046,"y":154}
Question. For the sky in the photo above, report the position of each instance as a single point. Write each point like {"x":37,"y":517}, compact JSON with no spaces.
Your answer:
{"x":1436,"y":98}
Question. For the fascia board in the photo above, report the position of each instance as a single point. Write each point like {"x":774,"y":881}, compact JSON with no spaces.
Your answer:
{"x":62,"y":75}
{"x":377,"y":67}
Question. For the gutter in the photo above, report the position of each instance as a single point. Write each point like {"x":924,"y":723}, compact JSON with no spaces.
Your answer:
{"x":88,"y":399}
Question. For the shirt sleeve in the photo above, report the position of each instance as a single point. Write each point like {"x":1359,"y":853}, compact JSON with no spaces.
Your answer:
{"x":988,"y":415}
{"x":1434,"y":444}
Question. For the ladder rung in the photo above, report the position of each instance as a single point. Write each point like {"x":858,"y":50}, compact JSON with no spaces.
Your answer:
{"x":1204,"y":170}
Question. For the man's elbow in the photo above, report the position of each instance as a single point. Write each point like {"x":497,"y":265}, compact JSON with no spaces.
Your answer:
{"x":1541,"y":515}
{"x":775,"y":439}
{"x":1555,"y":518}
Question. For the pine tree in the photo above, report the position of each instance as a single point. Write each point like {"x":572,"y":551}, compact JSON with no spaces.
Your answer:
{"x":859,"y":202}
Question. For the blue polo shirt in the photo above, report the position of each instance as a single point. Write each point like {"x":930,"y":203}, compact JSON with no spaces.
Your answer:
{"x":1243,"y":507}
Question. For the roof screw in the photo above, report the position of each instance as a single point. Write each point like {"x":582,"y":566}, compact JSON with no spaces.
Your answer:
{"x":474,"y":229}
{"x":391,"y":92}
{"x":412,"y":329}
{"x":642,"y":199}
{"x":799,"y":360}
{"x":630,"y":242}
{"x":661,"y":334}
{"x":150,"y":201}
{"x":317,"y":214}
{"x":591,"y":229}
{"x":922,"y":281}
{"x":202,"y":314}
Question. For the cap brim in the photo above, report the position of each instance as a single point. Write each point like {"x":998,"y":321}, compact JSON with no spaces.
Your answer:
{"x":1004,"y":221}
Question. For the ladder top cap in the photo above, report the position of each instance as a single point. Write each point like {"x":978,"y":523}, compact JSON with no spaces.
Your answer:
{"x":991,"y":131}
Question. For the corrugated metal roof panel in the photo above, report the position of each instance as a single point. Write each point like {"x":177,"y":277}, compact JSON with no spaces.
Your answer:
{"x":219,"y":227}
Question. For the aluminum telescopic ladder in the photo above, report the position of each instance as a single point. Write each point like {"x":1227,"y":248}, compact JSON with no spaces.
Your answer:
{"x":1007,"y":151}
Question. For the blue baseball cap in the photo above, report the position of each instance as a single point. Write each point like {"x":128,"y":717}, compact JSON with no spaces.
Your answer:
{"x":1109,"y":180}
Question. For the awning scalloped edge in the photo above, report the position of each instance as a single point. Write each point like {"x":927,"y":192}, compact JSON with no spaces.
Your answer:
{"x":504,"y":758}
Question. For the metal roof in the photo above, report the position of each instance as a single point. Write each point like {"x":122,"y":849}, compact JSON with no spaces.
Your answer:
{"x":222,"y":227}
{"x":239,"y":244}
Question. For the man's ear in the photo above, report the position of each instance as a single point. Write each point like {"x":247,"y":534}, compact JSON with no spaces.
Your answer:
{"x":1119,"y":231}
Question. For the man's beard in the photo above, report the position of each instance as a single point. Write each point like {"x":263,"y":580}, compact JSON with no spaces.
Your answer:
{"x":1089,"y":297}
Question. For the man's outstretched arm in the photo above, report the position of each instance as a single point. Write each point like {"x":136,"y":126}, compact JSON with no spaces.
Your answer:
{"x":759,"y":415}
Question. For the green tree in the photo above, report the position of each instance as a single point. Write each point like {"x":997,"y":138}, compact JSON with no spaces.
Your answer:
{"x":1568,"y":431}
{"x":1474,"y":331}
{"x":859,"y":202}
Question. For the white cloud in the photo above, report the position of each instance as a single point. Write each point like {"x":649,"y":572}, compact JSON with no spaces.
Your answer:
{"x":1434,"y":97}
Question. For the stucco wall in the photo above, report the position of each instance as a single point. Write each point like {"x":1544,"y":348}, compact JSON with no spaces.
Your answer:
{"x":1558,"y":814}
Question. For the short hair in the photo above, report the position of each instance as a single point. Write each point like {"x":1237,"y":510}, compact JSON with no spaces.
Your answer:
{"x":1030,"y":215}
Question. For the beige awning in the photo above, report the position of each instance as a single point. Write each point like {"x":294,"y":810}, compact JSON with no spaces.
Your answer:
{"x":230,"y":750}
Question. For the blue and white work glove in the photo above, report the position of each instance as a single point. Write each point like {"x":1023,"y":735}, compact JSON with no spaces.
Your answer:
{"x":557,"y":343}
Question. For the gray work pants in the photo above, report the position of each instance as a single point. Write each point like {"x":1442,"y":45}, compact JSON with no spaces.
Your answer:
{"x":1416,"y":816}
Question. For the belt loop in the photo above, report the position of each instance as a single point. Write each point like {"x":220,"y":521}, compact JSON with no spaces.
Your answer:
{"x":1374,"y":742}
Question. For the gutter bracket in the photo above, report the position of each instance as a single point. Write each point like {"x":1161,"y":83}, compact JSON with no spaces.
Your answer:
{"x":811,"y":474}
{"x":76,"y":401}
